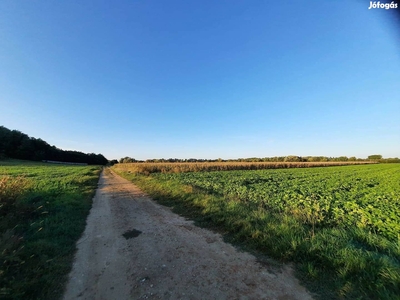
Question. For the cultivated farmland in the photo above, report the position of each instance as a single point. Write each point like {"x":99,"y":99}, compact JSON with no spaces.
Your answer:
{"x":339,"y":225}
{"x":43,"y":208}
{"x":149,"y":168}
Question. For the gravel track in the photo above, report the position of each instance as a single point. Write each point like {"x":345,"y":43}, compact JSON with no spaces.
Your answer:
{"x":134,"y":248}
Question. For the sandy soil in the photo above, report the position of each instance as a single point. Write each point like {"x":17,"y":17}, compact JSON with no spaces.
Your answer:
{"x":134,"y":248}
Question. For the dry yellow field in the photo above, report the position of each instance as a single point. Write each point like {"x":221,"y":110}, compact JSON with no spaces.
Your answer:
{"x":162,"y":167}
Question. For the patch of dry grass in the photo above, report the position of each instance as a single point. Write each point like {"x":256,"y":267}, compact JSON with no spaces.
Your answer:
{"x":10,"y":189}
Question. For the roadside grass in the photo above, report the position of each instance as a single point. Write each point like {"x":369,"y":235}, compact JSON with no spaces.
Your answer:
{"x":334,"y":262}
{"x":43,"y":210}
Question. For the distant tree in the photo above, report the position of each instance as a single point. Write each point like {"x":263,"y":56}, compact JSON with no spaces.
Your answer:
{"x":113,"y":162}
{"x":313,"y":158}
{"x":319,"y":159}
{"x":253,"y":159}
{"x":390,"y":160}
{"x":292,"y":158}
{"x":127,"y":159}
{"x":375,"y":157}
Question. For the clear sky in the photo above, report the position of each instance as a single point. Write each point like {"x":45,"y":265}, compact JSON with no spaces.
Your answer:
{"x":202,"y":79}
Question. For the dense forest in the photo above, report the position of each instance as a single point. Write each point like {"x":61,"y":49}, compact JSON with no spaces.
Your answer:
{"x":18,"y":145}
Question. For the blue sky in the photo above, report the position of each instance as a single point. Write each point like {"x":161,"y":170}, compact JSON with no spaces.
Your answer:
{"x":202,"y":79}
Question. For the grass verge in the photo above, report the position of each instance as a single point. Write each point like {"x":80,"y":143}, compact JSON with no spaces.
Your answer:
{"x":334,"y":263}
{"x":43,"y":210}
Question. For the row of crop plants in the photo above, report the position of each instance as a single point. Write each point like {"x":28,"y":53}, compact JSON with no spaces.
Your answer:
{"x":183,"y":167}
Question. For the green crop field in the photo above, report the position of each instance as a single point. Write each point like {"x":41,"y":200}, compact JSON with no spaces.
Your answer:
{"x":339,"y":225}
{"x":43,"y":209}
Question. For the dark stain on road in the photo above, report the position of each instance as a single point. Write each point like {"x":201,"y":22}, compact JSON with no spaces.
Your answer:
{"x":131,"y":234}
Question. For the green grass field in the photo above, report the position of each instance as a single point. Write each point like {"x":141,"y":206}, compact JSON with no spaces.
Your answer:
{"x":339,"y":225}
{"x":43,"y":209}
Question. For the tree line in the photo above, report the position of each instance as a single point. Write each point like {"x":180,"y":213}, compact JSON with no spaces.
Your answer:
{"x":18,"y":145}
{"x":290,"y":158}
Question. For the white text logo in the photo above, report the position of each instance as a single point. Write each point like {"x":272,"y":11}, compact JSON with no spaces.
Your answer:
{"x":378,"y":4}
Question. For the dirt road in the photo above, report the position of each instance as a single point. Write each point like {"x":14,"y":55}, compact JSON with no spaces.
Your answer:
{"x":133,"y":248}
